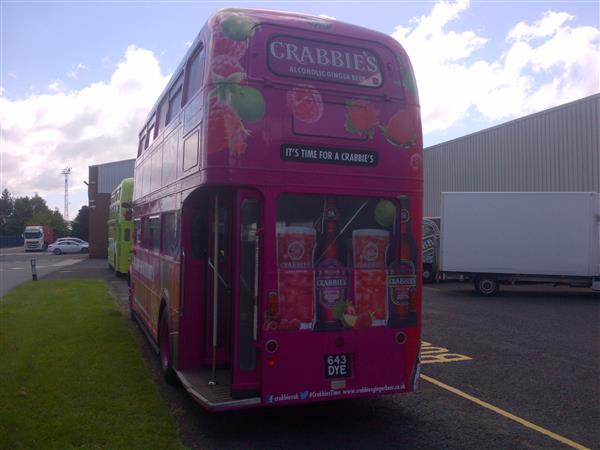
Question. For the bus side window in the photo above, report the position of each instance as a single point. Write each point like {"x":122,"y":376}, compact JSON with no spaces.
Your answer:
{"x":162,"y":115}
{"x":147,"y":234}
{"x":190,"y":151}
{"x":155,"y":234}
{"x":194,"y":73}
{"x":136,"y":232}
{"x":142,"y":144}
{"x":170,"y":232}
{"x":126,"y":234}
{"x":200,"y":236}
{"x":175,"y":99}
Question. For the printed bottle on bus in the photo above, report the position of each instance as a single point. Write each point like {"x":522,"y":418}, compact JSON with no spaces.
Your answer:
{"x":369,"y":247}
{"x":295,"y":305}
{"x":330,"y":275}
{"x":402,"y":275}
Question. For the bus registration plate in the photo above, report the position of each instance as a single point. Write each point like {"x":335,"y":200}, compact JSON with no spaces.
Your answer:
{"x":338,"y":366}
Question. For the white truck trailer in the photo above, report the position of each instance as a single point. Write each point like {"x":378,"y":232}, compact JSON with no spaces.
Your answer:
{"x":494,"y":238}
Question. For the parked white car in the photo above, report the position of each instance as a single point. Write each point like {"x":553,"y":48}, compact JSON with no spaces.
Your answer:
{"x":68,"y":246}
{"x":81,"y":241}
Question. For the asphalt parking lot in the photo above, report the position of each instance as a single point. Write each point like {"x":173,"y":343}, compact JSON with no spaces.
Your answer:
{"x":519,"y":370}
{"x":535,"y":352}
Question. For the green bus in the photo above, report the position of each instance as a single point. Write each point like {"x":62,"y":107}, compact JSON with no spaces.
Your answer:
{"x":120,"y":227}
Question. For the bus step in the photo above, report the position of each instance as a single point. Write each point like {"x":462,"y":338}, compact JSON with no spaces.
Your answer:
{"x":218,"y":396}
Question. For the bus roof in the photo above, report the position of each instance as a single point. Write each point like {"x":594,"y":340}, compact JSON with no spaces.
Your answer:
{"x":283,"y":19}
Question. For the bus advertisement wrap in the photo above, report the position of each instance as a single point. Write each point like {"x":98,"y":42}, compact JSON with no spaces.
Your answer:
{"x":277,"y":213}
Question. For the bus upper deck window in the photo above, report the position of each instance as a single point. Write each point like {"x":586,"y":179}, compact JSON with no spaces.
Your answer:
{"x":175,"y":99}
{"x":162,"y":115}
{"x":195,"y":73}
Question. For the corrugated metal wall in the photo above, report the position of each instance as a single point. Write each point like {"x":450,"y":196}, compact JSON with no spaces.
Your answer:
{"x":111,"y":174}
{"x":553,"y":150}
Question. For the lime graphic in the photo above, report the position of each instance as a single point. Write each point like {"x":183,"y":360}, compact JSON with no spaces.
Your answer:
{"x":385,"y":213}
{"x":248,"y":103}
{"x":236,"y":27}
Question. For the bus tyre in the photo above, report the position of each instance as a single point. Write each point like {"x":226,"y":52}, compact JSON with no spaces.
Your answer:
{"x":486,"y":285}
{"x":165,"y":350}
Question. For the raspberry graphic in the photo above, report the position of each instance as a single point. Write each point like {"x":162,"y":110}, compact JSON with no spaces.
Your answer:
{"x":224,"y":66}
{"x":225,"y":128}
{"x":306,"y":103}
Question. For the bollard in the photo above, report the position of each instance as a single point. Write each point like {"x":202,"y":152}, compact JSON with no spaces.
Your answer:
{"x":33,"y":270}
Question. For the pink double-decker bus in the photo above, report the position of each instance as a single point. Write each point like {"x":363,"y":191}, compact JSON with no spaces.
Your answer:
{"x":277,"y":214}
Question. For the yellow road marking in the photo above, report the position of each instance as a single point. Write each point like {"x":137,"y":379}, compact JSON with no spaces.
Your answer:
{"x":506,"y":414}
{"x":431,"y":354}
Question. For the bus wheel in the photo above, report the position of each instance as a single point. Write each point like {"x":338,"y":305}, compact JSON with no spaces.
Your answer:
{"x":486,"y":285}
{"x":428,"y":275}
{"x":165,"y":350}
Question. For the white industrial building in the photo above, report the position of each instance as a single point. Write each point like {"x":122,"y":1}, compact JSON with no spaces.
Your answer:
{"x":554,"y":150}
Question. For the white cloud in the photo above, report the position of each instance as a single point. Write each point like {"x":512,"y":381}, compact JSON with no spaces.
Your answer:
{"x":74,"y":73}
{"x":44,"y":133}
{"x":188,"y":44}
{"x":547,"y":63}
{"x":546,"y":26}
{"x":56,"y":86}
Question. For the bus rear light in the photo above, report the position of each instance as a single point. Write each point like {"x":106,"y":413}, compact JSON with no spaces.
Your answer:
{"x":272,"y":304}
{"x":270,"y":361}
{"x":272,"y":346}
{"x":400,"y":337}
{"x":339,"y":342}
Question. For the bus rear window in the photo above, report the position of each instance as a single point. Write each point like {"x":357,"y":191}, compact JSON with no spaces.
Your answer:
{"x":290,"y":56}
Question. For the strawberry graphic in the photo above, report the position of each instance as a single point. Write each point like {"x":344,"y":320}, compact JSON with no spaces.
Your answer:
{"x":400,"y":130}
{"x":305,"y":103}
{"x":361,"y":117}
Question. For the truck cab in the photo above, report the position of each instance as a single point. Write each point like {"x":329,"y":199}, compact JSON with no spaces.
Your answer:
{"x":37,"y":237}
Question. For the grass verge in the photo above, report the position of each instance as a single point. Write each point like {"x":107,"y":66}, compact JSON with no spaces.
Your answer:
{"x":71,"y":375}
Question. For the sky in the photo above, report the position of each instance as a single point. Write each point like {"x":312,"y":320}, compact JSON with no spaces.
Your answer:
{"x":77,"y":78}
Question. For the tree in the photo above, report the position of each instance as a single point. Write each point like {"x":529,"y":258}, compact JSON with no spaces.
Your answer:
{"x":22,"y":212}
{"x":33,"y":211}
{"x":41,"y":215}
{"x":7,"y":205}
{"x":80,"y":224}
{"x":59,"y":224}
